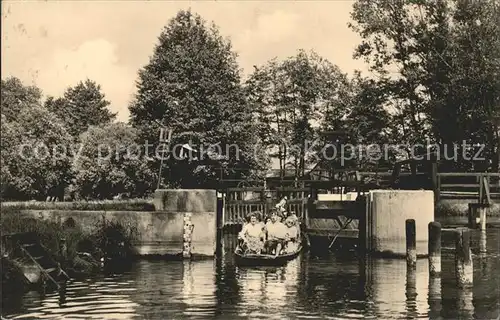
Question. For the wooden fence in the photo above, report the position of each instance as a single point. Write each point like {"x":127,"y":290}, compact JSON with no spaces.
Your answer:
{"x":459,"y":185}
{"x":239,"y":202}
{"x":476,"y":187}
{"x":449,"y":185}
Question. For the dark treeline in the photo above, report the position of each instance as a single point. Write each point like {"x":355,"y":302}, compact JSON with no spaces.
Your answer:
{"x":434,"y":78}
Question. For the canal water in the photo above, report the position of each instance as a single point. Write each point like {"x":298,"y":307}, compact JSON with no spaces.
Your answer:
{"x":329,"y":287}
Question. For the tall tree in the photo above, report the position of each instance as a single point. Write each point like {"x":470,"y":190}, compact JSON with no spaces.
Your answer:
{"x":192,"y":85}
{"x":6,"y":147}
{"x":439,"y":62}
{"x":368,"y":124}
{"x":293,"y":98}
{"x":388,"y":29}
{"x":35,"y":146}
{"x":16,"y":97}
{"x":82,"y":106}
{"x":476,"y":75}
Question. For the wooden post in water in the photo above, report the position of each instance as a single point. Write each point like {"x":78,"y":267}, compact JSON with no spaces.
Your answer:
{"x":472,"y":216}
{"x":411,"y":244}
{"x":465,"y":298}
{"x":482,"y":242}
{"x":482,"y":218}
{"x":463,"y":258}
{"x":219,"y":222}
{"x":434,"y":249}
{"x":434,"y":176}
{"x":363,"y":233}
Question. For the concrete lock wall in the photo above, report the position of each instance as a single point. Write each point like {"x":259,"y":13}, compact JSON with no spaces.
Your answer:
{"x":160,"y":232}
{"x":387,"y":214}
{"x":198,"y":208}
{"x":155,"y":232}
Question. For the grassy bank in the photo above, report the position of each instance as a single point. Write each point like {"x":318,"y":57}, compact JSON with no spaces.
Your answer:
{"x":100,"y":205}
{"x":443,"y":208}
{"x":460,"y":208}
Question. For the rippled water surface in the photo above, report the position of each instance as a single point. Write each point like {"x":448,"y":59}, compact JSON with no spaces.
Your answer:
{"x":309,"y":287}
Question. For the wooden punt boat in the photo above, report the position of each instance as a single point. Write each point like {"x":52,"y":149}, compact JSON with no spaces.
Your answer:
{"x":265,"y":259}
{"x":252,"y":259}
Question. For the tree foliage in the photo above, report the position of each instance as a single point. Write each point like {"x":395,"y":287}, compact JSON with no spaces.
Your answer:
{"x":435,"y":77}
{"x":306,"y":107}
{"x":16,"y":97}
{"x":111,"y":164}
{"x":295,"y":99}
{"x":82,"y":106}
{"x":40,"y":158}
{"x":29,"y":141}
{"x":438,"y":62}
{"x":192,"y":85}
{"x":368,"y":125}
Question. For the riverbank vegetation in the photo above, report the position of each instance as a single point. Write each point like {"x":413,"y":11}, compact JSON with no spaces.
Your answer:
{"x":92,"y":205}
{"x":80,"y":253}
{"x":433,"y":79}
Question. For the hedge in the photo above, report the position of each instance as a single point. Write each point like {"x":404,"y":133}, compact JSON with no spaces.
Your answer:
{"x":101,"y":205}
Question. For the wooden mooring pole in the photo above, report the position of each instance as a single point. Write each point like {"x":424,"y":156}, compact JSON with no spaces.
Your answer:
{"x":482,"y":218}
{"x":471,"y":215}
{"x":477,"y":215}
{"x":411,"y":244}
{"x":434,"y":249}
{"x":482,"y":242}
{"x":477,"y":218}
{"x":434,"y":254}
{"x":463,"y":258}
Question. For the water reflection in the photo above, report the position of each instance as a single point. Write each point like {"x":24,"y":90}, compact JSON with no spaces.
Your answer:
{"x":411,"y":294}
{"x":198,"y":288}
{"x":81,"y":300}
{"x":398,"y":291}
{"x":268,"y":291}
{"x":434,"y":297}
{"x":331,"y":287}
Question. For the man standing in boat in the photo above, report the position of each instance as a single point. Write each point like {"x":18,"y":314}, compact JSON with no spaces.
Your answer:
{"x":277,"y":234}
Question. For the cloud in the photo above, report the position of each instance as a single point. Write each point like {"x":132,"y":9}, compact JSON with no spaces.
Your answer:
{"x":55,"y":44}
{"x":270,"y":28}
{"x":270,"y":35}
{"x":97,"y":60}
{"x":94,"y":59}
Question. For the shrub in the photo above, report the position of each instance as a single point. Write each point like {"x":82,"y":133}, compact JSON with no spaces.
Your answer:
{"x":109,"y":238}
{"x":114,"y":239}
{"x":101,"y":205}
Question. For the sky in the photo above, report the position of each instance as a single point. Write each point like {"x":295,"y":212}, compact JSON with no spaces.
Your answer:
{"x":56,"y":44}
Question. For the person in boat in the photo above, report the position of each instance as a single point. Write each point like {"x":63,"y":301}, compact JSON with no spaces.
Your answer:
{"x":277,"y":234}
{"x":293,"y":216}
{"x":252,"y":234}
{"x":293,"y":234}
{"x":281,"y":206}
